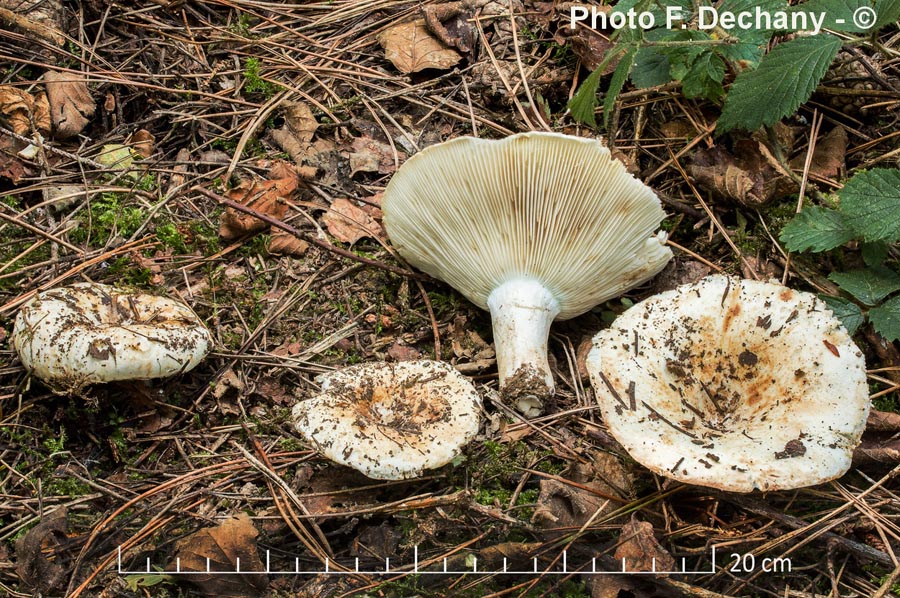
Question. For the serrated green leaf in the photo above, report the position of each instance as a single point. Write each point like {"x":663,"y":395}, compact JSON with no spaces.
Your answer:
{"x":870,"y":285}
{"x":838,"y":13}
{"x":874,"y":253}
{"x":888,"y":12}
{"x":816,"y":229}
{"x":847,"y":312}
{"x":785,"y":78}
{"x":870,"y":202}
{"x":584,"y":101}
{"x":885,"y":319}
{"x":651,"y":68}
{"x":704,"y":78}
{"x":620,"y":75}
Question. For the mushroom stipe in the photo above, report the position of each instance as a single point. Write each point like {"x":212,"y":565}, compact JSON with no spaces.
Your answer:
{"x":534,"y":227}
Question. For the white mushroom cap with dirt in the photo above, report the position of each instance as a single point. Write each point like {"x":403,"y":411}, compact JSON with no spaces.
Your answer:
{"x":734,"y":384}
{"x":88,"y":333}
{"x":534,"y":227}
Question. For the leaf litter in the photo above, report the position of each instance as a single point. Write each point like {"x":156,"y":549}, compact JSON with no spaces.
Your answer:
{"x":342,"y":96}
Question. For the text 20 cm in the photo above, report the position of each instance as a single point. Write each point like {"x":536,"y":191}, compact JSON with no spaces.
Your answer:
{"x":747,"y":563}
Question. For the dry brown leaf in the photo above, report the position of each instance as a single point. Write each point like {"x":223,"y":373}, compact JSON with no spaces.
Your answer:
{"x":449,"y":22}
{"x":348,"y":223}
{"x":17,"y":106}
{"x":295,"y":135}
{"x":640,"y":550}
{"x":267,"y":197}
{"x":223,"y":545}
{"x":400,"y":352}
{"x":562,"y":506}
{"x":590,"y":45}
{"x":71,"y":104}
{"x":743,"y":177}
{"x":143,"y":142}
{"x":284,"y":243}
{"x":370,"y":155}
{"x":32,"y":566}
{"x":411,"y":48}
{"x":828,"y":156}
{"x":11,"y":167}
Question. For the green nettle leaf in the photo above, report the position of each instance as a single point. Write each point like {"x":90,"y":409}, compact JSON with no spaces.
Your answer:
{"x":870,"y":202}
{"x":870,"y":285}
{"x":786,"y":77}
{"x":874,"y":253}
{"x":838,"y":13}
{"x":847,"y":312}
{"x":651,"y":68}
{"x":885,"y":319}
{"x":816,"y":229}
{"x":620,"y":75}
{"x":584,"y":102}
{"x":888,"y":12}
{"x":704,"y":78}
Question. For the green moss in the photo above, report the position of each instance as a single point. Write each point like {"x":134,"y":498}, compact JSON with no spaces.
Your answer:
{"x":108,"y":215}
{"x":253,"y":81}
{"x":169,"y":235}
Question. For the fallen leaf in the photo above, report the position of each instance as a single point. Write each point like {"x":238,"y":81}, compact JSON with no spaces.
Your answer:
{"x":267,"y":197}
{"x":116,"y":156}
{"x":284,"y":243}
{"x":449,"y":22}
{"x":590,"y":45}
{"x":743,"y":177}
{"x":33,"y":566}
{"x":411,"y":48}
{"x":17,"y":106}
{"x":828,"y":156}
{"x":562,"y":506}
{"x":11,"y":167}
{"x":295,"y":135}
{"x":224,"y":548}
{"x":640,"y":550}
{"x":348,"y":223}
{"x":71,"y":104}
{"x":228,"y":390}
{"x":370,"y":155}
{"x":400,"y":352}
{"x":143,"y":142}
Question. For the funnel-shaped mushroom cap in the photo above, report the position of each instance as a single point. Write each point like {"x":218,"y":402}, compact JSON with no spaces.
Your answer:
{"x":554,"y":208}
{"x":89,"y":333}
{"x":391,"y":421}
{"x":733,"y":384}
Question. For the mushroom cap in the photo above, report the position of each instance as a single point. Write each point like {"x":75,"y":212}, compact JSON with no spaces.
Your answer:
{"x":391,"y":421}
{"x":734,"y":384}
{"x":476,"y":213}
{"x":90,"y":333}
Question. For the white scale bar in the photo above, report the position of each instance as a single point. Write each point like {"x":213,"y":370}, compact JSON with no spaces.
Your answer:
{"x":564,"y":570}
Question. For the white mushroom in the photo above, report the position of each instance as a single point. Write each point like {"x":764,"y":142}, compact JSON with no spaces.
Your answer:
{"x":733,"y":384}
{"x":391,"y":421}
{"x":88,"y":333}
{"x":534,"y":227}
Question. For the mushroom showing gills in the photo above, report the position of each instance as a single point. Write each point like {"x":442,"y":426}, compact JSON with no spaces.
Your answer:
{"x":391,"y":421}
{"x":734,"y":384}
{"x":534,"y":227}
{"x":88,"y":333}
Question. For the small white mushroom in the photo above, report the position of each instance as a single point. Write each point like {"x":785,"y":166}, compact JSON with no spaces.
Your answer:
{"x":88,"y":333}
{"x":534,"y":227}
{"x":734,"y":384}
{"x":391,"y":421}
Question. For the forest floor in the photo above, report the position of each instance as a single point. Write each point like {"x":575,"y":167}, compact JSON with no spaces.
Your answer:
{"x":313,"y":106}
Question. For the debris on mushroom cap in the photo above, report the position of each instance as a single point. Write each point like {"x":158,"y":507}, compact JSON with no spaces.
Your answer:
{"x":734,"y":384}
{"x":391,"y":421}
{"x":534,"y":227}
{"x":89,"y":333}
